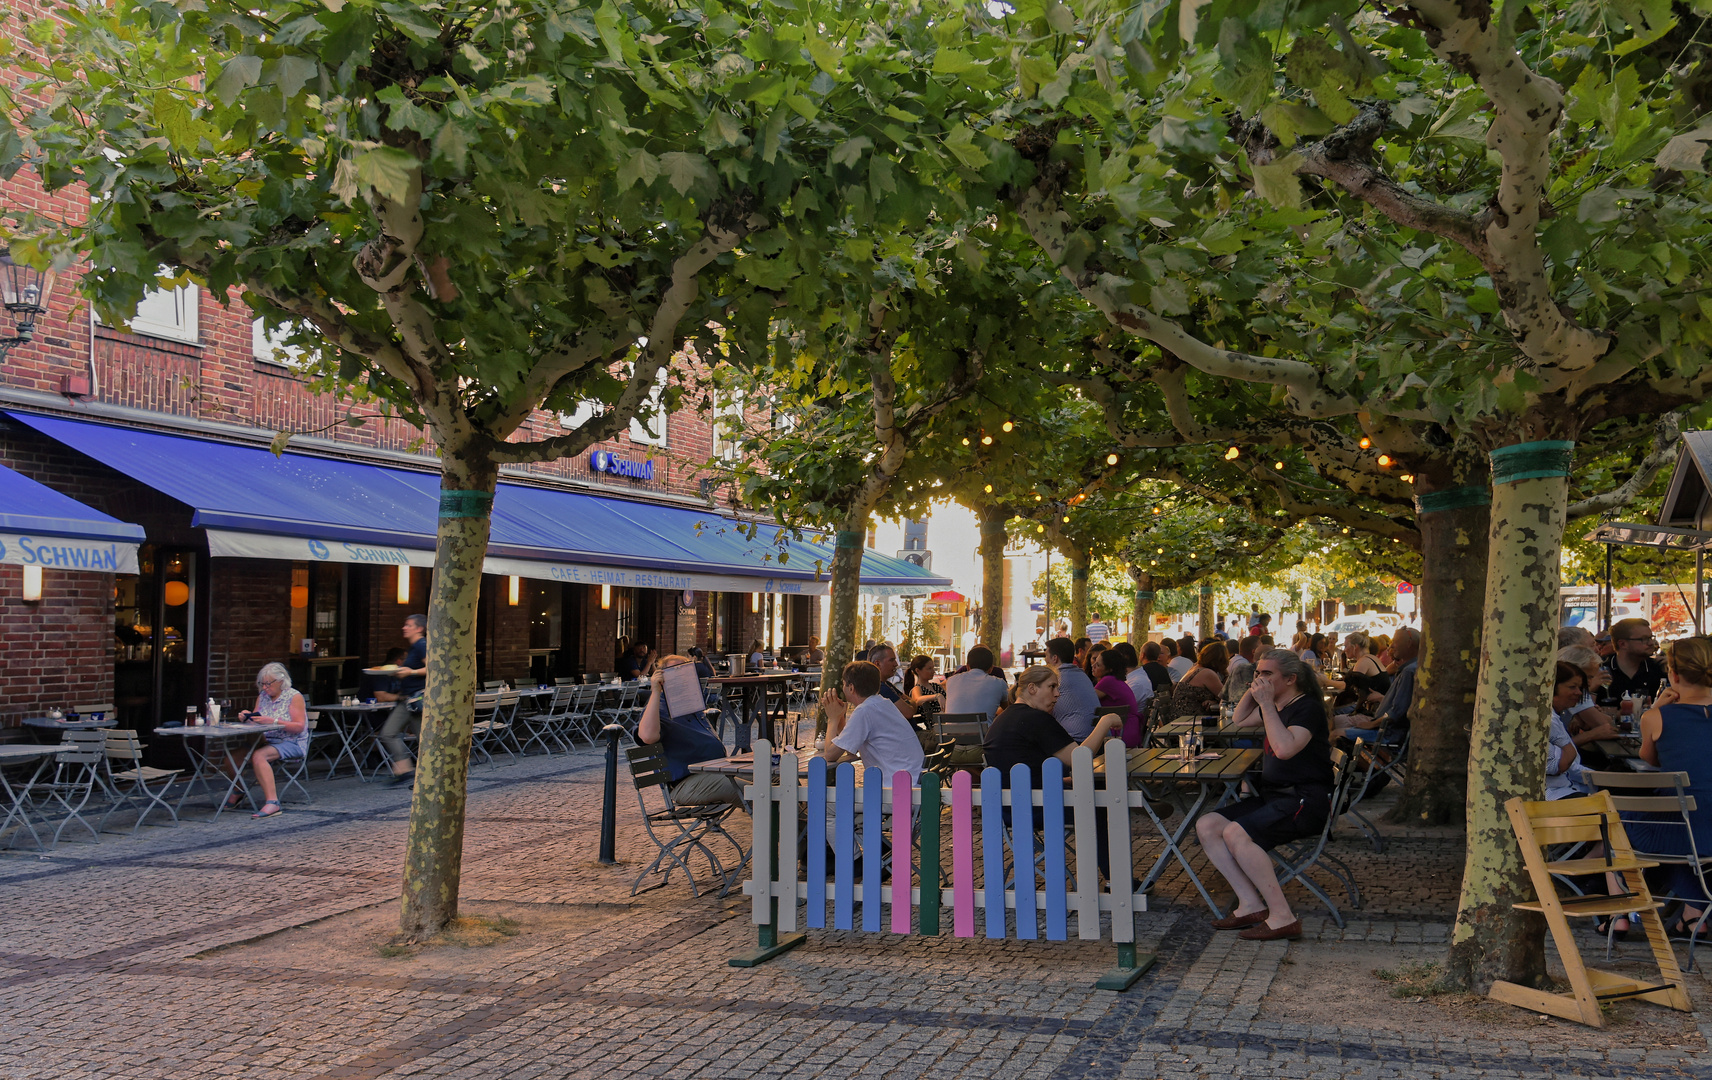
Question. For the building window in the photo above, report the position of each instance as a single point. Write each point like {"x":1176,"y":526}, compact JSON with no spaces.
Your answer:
{"x":168,"y":313}
{"x":649,"y":427}
{"x":728,"y":427}
{"x":624,"y":608}
{"x":270,"y":346}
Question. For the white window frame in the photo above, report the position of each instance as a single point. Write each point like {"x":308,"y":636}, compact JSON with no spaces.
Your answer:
{"x":270,"y":347}
{"x":724,"y":409}
{"x":180,"y":305}
{"x":652,"y":414}
{"x":586,"y":410}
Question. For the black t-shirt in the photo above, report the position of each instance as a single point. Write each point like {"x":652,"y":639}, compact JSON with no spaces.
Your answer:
{"x":1024,"y":735}
{"x":1645,"y":682}
{"x":1313,"y":763}
{"x":416,"y":657}
{"x":890,"y":692}
{"x":630,"y":666}
{"x":1159,"y":675}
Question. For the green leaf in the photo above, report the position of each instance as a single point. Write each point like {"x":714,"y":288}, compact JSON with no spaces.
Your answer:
{"x":452,"y":144}
{"x":1687,"y":152}
{"x":683,"y":171}
{"x":291,"y":72}
{"x":961,"y":142}
{"x":826,"y":55}
{"x":953,"y":62}
{"x":608,"y":20}
{"x":849,"y":152}
{"x":771,"y":133}
{"x":1463,"y":119}
{"x":388,"y":170}
{"x":1276,"y":182}
{"x":640,"y":166}
{"x":172,"y":116}
{"x":1600,"y":204}
{"x":1290,"y":120}
{"x":239,"y":74}
{"x":722,"y":130}
{"x":276,"y":445}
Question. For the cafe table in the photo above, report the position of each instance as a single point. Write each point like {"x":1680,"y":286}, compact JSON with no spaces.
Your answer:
{"x":17,"y":804}
{"x":1168,"y":734}
{"x":1221,"y":770}
{"x":49,"y":726}
{"x":754,"y":690}
{"x":346,"y":720}
{"x":218,"y":742}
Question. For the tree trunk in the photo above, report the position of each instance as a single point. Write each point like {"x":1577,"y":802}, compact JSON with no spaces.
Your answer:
{"x":434,"y":845}
{"x":992,"y":576}
{"x":843,"y":620}
{"x":1512,"y":702}
{"x":1204,"y":614}
{"x":1078,"y":592}
{"x":1141,"y":617}
{"x":1454,"y":517}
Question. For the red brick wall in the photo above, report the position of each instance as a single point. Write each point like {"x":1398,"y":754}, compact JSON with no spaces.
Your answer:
{"x":58,"y":651}
{"x":250,"y":624}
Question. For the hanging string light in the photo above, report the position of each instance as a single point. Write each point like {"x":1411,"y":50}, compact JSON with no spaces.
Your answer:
{"x":1232,"y":454}
{"x":1366,"y":442}
{"x":1009,"y":427}
{"x":1111,"y":459}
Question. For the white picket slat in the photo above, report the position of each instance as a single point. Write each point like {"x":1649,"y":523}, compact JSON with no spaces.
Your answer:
{"x":1116,"y":799}
{"x":761,"y":854}
{"x":1080,"y":800}
{"x":788,"y":792}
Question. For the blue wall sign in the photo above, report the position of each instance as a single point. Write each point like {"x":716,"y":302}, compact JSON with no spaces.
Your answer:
{"x":603,"y":461}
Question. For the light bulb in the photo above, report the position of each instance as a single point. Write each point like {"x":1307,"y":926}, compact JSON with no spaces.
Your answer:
{"x":1366,"y":442}
{"x":1245,"y":543}
{"x":1111,"y":459}
{"x":1040,"y":528}
{"x":1232,"y":454}
{"x":1384,"y":460}
{"x":1009,"y":426}
{"x":1066,"y":519}
{"x":1157,"y":511}
{"x":965,"y":442}
{"x":989,"y":489}
{"x":1277,"y":464}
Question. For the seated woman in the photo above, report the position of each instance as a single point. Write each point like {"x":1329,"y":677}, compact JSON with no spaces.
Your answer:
{"x":1027,"y":733}
{"x":1197,"y":693}
{"x":1562,"y":758}
{"x":1293,"y":801}
{"x":279,"y":705}
{"x":686,"y":740}
{"x":1363,"y":682}
{"x":919,"y":688}
{"x":1111,"y":683}
{"x":1676,"y":736}
{"x":755,"y":655}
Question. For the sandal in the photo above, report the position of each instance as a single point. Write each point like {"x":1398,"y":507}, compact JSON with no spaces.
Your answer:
{"x":1681,"y":930}
{"x":1602,"y":927}
{"x":234,"y":800}
{"x":265,"y":812}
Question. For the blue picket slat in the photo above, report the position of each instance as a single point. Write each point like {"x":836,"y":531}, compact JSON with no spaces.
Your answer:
{"x":1022,"y":849}
{"x":873,"y":864}
{"x":1052,"y":849}
{"x":993,"y":851}
{"x":817,"y":843}
{"x":844,"y":850}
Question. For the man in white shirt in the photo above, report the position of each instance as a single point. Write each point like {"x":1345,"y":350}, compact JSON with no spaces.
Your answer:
{"x":1140,"y":683}
{"x":976,"y":690}
{"x":863,"y":724}
{"x":1179,"y":664}
{"x":1098,"y":631}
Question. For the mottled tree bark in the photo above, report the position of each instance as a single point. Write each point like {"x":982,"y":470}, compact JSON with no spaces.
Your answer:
{"x":1141,"y":617}
{"x":992,"y":576}
{"x":1491,"y":939}
{"x":1454,"y":519}
{"x":843,"y":596}
{"x":1204,"y":613}
{"x":1078,"y":560}
{"x":434,"y":843}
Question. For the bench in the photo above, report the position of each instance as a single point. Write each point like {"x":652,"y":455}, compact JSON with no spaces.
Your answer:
{"x":1066,"y":880}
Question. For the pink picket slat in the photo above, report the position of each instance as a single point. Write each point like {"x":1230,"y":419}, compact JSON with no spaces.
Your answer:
{"x":901,"y":788}
{"x":962,"y":857}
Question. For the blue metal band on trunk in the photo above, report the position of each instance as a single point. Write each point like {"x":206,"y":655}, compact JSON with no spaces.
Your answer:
{"x":1532,"y":461}
{"x":465,"y":504}
{"x":850,"y":538}
{"x":1144,"y":594}
{"x":1433,"y":502}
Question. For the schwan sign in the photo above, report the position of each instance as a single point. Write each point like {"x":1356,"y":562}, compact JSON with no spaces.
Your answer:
{"x":62,"y":553}
{"x":602,"y":461}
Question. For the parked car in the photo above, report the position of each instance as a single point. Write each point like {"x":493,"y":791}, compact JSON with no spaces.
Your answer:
{"x":1371,"y":623}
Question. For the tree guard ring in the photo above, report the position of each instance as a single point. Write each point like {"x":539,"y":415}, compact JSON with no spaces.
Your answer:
{"x":1532,"y":461}
{"x":1144,"y":594}
{"x":850,"y":538}
{"x":465,"y":504}
{"x":1433,"y":502}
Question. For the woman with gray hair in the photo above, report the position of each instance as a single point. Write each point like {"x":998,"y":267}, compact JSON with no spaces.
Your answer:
{"x":280,"y":708}
{"x":1293,"y":799}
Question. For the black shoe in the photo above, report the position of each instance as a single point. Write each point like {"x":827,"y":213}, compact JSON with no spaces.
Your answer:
{"x":403,"y":778}
{"x":1602,"y":927}
{"x":1682,"y":931}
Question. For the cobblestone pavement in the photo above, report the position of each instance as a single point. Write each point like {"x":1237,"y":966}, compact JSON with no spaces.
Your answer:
{"x":106,"y":969}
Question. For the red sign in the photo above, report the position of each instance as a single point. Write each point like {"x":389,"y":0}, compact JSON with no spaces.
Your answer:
{"x":1405,"y":587}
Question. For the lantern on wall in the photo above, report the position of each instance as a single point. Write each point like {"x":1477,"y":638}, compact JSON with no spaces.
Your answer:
{"x":176,"y":594}
{"x":404,"y":584}
{"x":24,"y":293}
{"x":300,"y":596}
{"x":32,"y":584}
{"x":755,"y":602}
{"x":516,"y":589}
{"x":606,"y":597}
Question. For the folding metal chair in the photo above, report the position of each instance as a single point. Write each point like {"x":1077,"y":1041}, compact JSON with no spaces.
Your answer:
{"x":1667,"y":799}
{"x":692,"y":824}
{"x":1382,"y":758}
{"x":546,"y":727}
{"x":489,"y":727}
{"x":1295,"y":859}
{"x":291,"y":771}
{"x":77,"y":775}
{"x":135,"y":784}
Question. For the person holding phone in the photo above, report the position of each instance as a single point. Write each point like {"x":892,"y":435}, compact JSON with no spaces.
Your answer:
{"x":280,"y":707}
{"x":1293,"y":801}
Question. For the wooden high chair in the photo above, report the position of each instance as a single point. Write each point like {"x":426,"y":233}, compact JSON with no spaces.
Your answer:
{"x":1543,"y":825}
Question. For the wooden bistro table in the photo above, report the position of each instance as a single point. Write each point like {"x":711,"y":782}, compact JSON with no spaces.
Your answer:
{"x":1167,"y":734}
{"x":1221,"y":769}
{"x":754,"y":688}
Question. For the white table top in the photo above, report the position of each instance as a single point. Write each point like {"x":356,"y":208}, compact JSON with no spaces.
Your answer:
{"x":361,"y":706}
{"x":217,"y":731}
{"x":25,"y":751}
{"x":50,"y":724}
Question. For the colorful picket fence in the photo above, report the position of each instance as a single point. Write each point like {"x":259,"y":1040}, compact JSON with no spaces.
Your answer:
{"x":848,"y":819}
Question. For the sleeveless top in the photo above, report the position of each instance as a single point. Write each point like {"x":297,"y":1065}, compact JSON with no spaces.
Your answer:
{"x":1187,"y":700}
{"x":1685,"y":745}
{"x":279,"y":710}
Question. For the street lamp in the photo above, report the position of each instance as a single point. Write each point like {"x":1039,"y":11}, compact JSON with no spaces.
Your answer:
{"x":24,"y":290}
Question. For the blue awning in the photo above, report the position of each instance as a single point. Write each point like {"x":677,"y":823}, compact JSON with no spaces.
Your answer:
{"x":303,"y":507}
{"x":41,"y":527}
